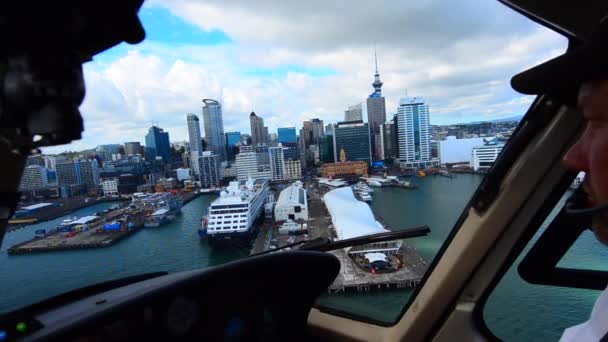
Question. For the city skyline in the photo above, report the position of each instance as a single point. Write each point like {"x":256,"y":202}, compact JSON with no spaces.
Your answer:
{"x":189,"y":55}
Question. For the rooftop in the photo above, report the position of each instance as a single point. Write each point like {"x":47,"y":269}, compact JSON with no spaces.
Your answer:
{"x":36,"y":206}
{"x":350,"y":217}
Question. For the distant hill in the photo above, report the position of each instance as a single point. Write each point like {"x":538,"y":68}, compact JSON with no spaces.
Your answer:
{"x":510,"y":118}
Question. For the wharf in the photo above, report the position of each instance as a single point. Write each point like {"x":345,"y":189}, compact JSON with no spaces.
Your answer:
{"x":58,"y":241}
{"x":352,"y":276}
{"x":63,"y":207}
{"x":92,"y":237}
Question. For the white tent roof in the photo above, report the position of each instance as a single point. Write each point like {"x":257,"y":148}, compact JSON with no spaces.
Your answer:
{"x":351,"y":217}
{"x":372,"y":257}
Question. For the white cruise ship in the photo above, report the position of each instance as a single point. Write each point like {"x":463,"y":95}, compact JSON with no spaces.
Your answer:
{"x":234,"y":213}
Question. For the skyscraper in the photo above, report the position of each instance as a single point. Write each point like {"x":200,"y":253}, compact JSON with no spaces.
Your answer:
{"x":157,"y":144}
{"x":105,"y":152}
{"x":287,"y":135}
{"x":414,"y":138}
{"x":354,"y":113}
{"x":353,"y":138}
{"x":376,"y":112}
{"x":209,"y":165}
{"x":388,"y":140}
{"x":194,"y":138}
{"x":33,"y":177}
{"x":78,"y":172}
{"x":277,"y":163}
{"x":132,"y":148}
{"x":258,"y":134}
{"x":313,"y":130}
{"x":248,"y":164}
{"x":214,"y":128}
{"x":233,"y":138}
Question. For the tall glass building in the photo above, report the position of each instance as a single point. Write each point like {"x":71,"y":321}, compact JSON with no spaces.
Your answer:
{"x":157,"y":144}
{"x":353,"y":138}
{"x":233,"y":138}
{"x":414,"y":135}
{"x":194,"y":138}
{"x":214,"y":128}
{"x":287,"y":135}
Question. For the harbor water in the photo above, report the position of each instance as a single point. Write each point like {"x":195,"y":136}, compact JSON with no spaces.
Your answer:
{"x":516,"y":311}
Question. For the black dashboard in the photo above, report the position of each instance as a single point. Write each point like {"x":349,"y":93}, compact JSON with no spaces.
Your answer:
{"x":264,"y":298}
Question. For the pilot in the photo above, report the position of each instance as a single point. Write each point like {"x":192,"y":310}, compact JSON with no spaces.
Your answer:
{"x":583,"y":71}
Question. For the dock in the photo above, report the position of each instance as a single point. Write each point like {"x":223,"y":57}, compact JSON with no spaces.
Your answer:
{"x":352,"y":277}
{"x":94,"y":236}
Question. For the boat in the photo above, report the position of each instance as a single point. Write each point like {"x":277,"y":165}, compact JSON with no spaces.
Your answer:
{"x":365,"y":197}
{"x":235,"y":212}
{"x":421,"y":173}
{"x":445,"y":173}
{"x":159,"y":217}
{"x":374,"y":182}
{"x":363,"y":187}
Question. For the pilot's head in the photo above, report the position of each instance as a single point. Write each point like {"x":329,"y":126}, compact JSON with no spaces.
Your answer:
{"x":582,"y":71}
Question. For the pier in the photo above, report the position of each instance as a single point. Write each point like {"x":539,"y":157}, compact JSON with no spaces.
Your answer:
{"x":94,"y":236}
{"x":409,"y":267}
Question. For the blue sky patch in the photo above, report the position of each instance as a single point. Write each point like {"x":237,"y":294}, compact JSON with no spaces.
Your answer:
{"x":163,"y":26}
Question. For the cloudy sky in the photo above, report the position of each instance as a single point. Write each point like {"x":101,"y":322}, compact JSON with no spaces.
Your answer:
{"x":292,"y":60}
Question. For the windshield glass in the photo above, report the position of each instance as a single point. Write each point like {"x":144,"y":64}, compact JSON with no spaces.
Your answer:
{"x":239,"y":127}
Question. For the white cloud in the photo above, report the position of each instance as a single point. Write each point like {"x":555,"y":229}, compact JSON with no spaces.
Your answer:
{"x":458,"y":57}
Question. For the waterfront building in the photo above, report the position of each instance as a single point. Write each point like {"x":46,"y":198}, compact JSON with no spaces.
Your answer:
{"x":258,"y":133}
{"x":195,"y":141}
{"x":485,"y":155}
{"x":248,"y":164}
{"x":157,"y":144}
{"x":287,"y":135}
{"x":354,"y":113}
{"x":293,"y":169}
{"x":132,"y":148}
{"x":352,"y":218}
{"x":292,"y":204}
{"x":277,"y":163}
{"x":344,"y":167}
{"x":109,"y":187}
{"x":209,"y":164}
{"x":352,"y":137}
{"x":105,"y":152}
{"x":79,"y":172}
{"x":312,"y":131}
{"x":457,"y":151}
{"x":33,"y":177}
{"x":414,"y":133}
{"x":376,"y":113}
{"x":214,"y":128}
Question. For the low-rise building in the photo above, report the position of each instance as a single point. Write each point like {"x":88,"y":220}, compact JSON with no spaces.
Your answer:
{"x":109,"y":187}
{"x":484,"y":156}
{"x":293,"y":169}
{"x":292,"y":204}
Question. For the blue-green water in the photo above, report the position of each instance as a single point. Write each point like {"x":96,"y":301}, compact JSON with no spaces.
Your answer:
{"x":516,"y":311}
